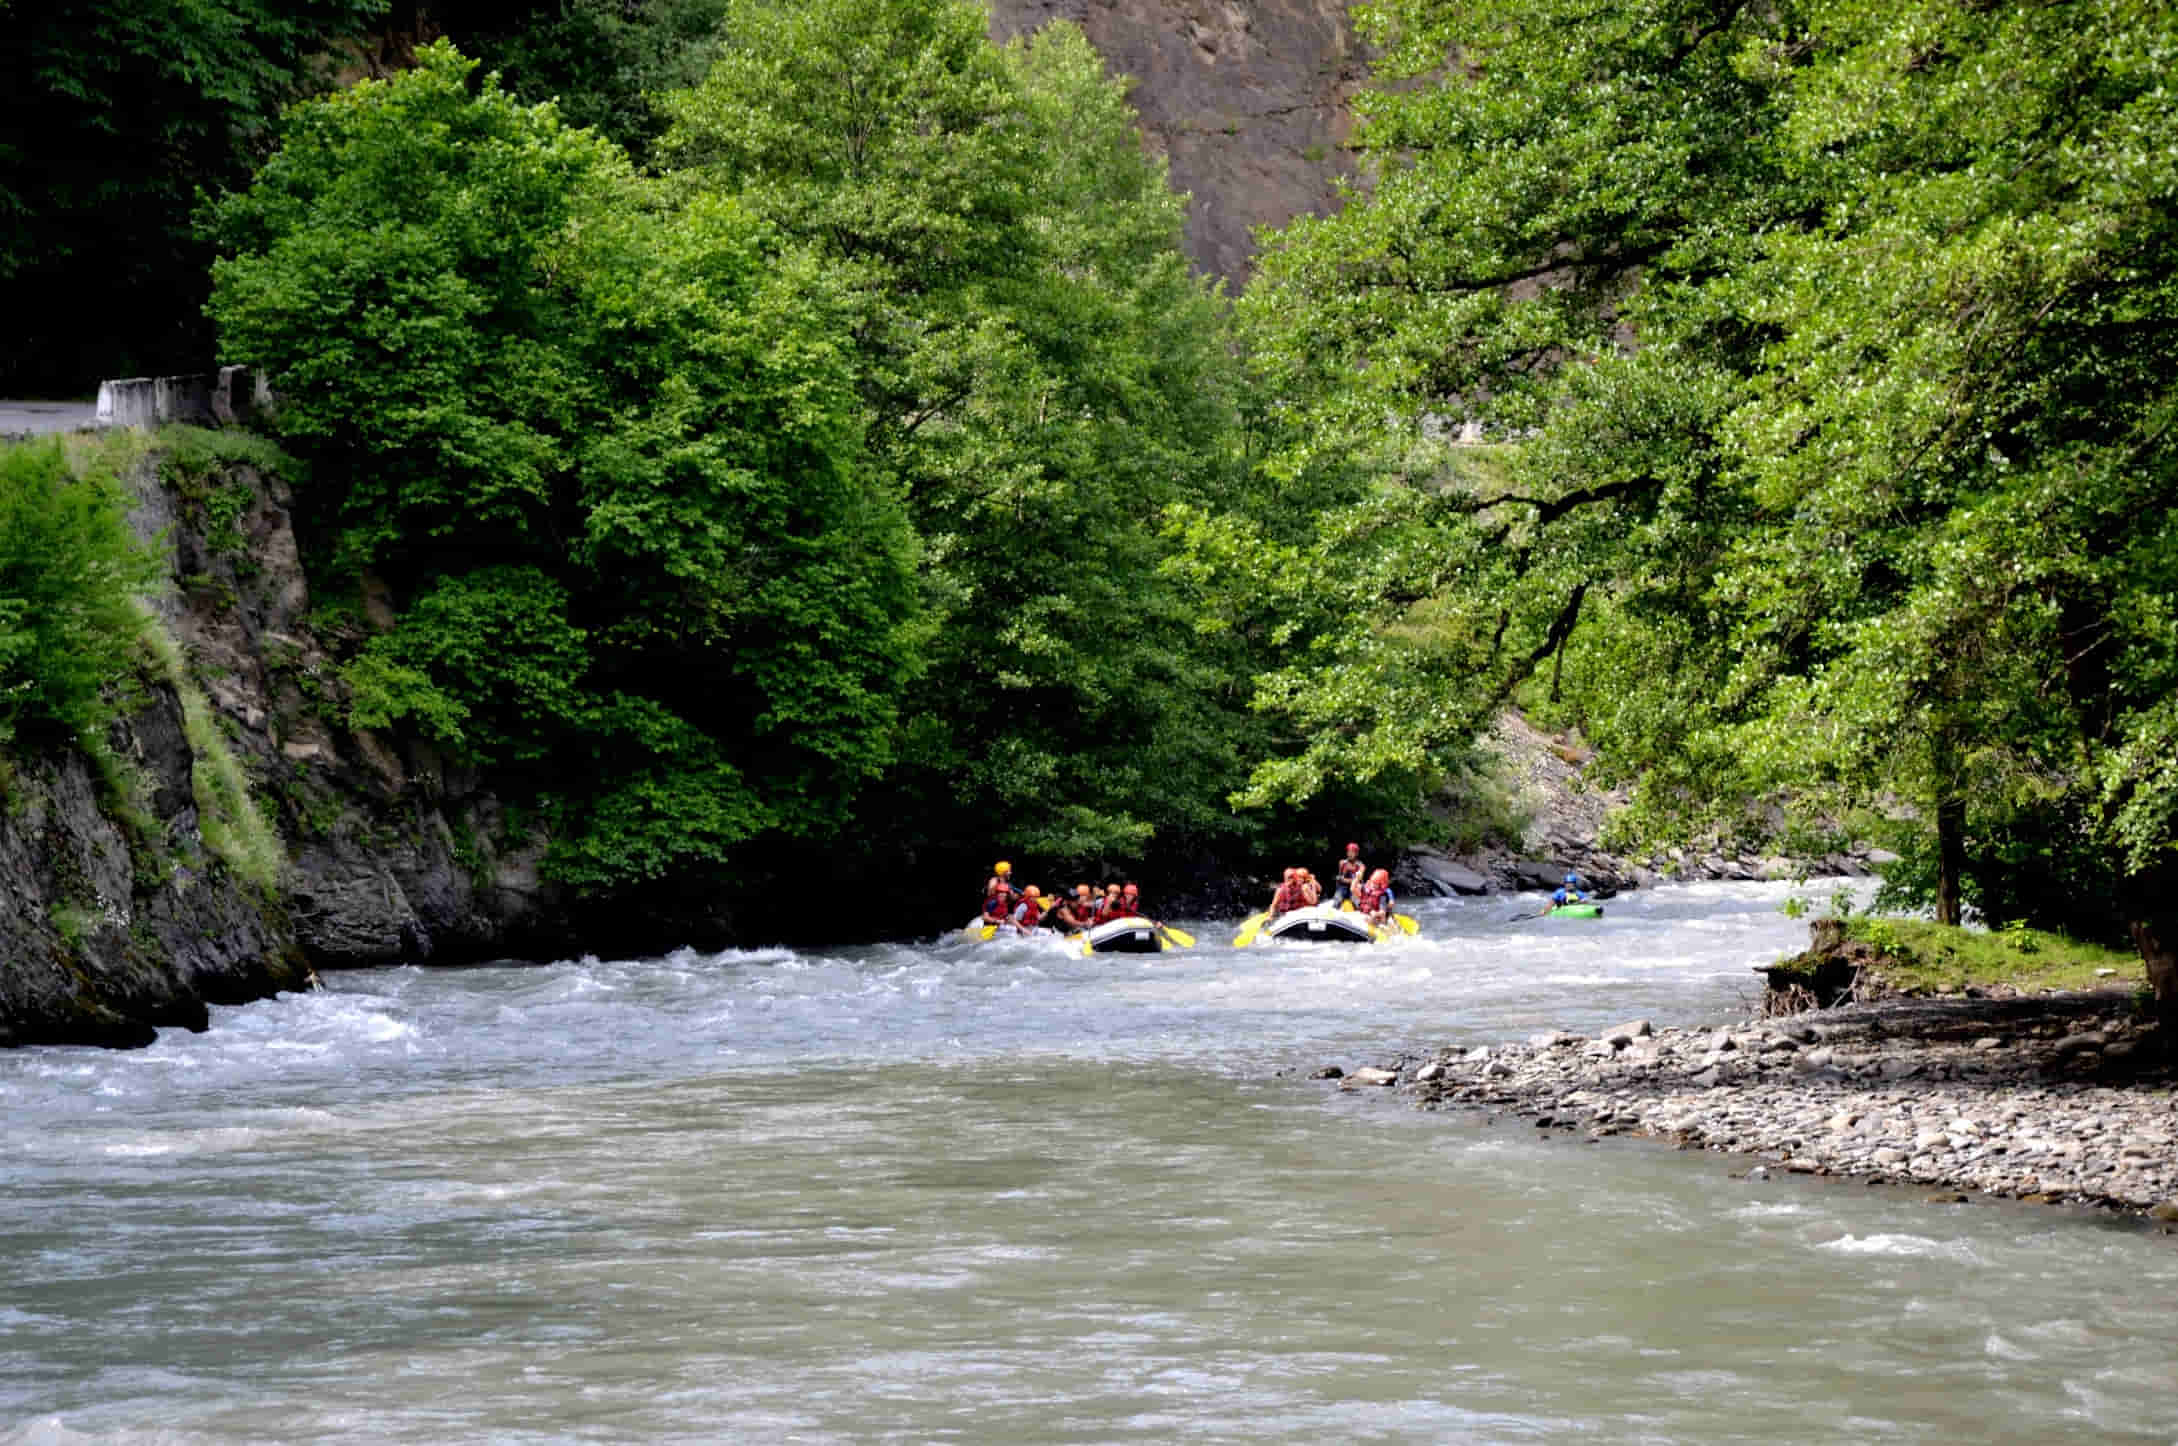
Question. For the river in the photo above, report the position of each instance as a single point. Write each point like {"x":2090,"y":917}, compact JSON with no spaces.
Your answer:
{"x":955,"y":1192}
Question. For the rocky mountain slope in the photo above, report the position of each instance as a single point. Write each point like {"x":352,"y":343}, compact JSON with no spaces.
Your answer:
{"x":1248,"y":102}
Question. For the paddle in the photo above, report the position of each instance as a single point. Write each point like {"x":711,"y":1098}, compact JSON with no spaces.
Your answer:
{"x":1249,"y":927}
{"x":1518,"y":917}
{"x":1180,"y":938}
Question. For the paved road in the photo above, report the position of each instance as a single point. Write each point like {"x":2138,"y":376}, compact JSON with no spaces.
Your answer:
{"x":21,"y":418}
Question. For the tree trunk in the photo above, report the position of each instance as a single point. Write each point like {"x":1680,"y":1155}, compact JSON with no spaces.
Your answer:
{"x":2154,"y":924}
{"x":1950,"y":825}
{"x":1950,"y":857}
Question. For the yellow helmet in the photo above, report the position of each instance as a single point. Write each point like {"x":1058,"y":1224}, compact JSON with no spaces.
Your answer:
{"x":1003,"y":868}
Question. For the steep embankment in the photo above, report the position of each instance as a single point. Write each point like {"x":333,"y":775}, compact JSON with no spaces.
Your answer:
{"x":233,"y":832}
{"x":1248,"y":103}
{"x":394,"y":852}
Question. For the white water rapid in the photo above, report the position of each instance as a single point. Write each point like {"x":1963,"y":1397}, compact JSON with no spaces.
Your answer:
{"x":957,"y":1192}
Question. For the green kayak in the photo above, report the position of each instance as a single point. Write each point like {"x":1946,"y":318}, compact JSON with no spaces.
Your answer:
{"x":1577,"y":911}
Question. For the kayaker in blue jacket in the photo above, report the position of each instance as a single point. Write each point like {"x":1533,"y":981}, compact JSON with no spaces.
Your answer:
{"x":1568,"y":893}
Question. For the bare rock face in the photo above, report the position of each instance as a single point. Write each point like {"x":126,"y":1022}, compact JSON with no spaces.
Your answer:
{"x":114,"y":927}
{"x":1248,"y":102}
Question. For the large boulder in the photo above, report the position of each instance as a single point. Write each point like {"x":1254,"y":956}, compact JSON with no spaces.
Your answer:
{"x":1429,"y":872}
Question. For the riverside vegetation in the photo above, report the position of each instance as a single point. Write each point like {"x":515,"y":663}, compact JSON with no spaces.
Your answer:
{"x":832,"y":464}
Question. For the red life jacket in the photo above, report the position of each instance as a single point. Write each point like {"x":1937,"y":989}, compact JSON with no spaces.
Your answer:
{"x":1372,"y":896}
{"x":1032,"y":913}
{"x":1351,"y":869}
{"x":999,"y":904}
{"x":1108,"y":909}
{"x":1287,"y":899}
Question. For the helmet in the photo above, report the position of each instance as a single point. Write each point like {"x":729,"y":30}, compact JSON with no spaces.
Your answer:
{"x":1380,"y":877}
{"x":1130,"y":889}
{"x":1003,"y":868}
{"x":1030,"y":892}
{"x":1353,"y":848}
{"x":1572,"y":878}
{"x":1292,"y":875}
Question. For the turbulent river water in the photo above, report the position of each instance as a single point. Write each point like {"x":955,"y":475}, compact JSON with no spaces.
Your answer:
{"x":946,"y":1191}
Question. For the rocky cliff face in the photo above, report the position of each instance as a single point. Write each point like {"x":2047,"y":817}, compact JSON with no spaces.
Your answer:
{"x":116,"y":919}
{"x":235,"y":832}
{"x":1247,"y":101}
{"x":393,"y":853}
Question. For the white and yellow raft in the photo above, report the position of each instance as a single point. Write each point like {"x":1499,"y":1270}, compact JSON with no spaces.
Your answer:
{"x":1320,"y":923}
{"x":1127,"y":934}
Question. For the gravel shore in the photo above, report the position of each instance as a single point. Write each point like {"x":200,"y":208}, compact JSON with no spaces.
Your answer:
{"x":2053,"y":1099}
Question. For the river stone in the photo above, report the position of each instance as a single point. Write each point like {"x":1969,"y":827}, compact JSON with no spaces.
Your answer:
{"x":1449,"y":877}
{"x":2079,"y":1043}
{"x":1626,"y":1034}
{"x":1369,"y":1075}
{"x":2167,"y":1210}
{"x":1329,"y":1071}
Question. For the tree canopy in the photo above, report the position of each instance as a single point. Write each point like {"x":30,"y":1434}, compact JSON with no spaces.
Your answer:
{"x":604,"y":444}
{"x":1833,"y":340}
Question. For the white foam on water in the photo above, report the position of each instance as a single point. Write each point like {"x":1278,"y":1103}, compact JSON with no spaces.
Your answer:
{"x":1918,"y":1247}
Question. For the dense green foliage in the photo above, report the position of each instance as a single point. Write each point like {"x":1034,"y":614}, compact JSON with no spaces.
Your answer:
{"x":605,"y":446}
{"x":818,"y":491}
{"x":1837,"y":339}
{"x":602,"y":61}
{"x":113,"y":113}
{"x":1042,"y":377}
{"x":70,"y":574}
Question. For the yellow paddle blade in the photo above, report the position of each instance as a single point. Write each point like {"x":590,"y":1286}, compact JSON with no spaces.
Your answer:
{"x":1179,"y":937}
{"x":1248,"y":928}
{"x":1407,"y":923}
{"x":988,"y":931}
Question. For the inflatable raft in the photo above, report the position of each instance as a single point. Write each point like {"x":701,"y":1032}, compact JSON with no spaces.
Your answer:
{"x":1320,"y":922}
{"x":1124,"y":935}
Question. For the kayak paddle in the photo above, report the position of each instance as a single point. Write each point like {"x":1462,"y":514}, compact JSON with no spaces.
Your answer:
{"x":1180,"y":938}
{"x":1248,"y":929}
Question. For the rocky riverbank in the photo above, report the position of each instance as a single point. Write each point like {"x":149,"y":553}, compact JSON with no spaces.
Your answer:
{"x":2050,"y":1099}
{"x":1552,"y":821}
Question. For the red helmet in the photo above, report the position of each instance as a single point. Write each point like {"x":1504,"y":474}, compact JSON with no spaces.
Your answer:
{"x":1130,"y":889}
{"x":1380,"y":877}
{"x":1292,"y":874}
{"x":1353,"y":848}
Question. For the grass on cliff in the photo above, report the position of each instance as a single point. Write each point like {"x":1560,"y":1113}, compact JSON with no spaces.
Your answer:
{"x":232,"y":825}
{"x":1928,"y":957}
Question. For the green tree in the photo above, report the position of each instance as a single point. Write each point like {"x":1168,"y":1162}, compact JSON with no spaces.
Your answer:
{"x":1042,"y":377}
{"x":602,"y":62}
{"x":70,"y":576}
{"x":1835,"y":340}
{"x":113,"y":114}
{"x":604,"y":443}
